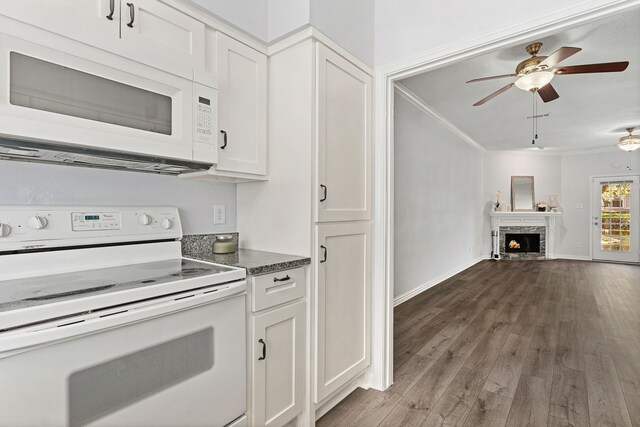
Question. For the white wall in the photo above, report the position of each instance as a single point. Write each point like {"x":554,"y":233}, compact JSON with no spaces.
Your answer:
{"x":501,"y":165}
{"x":576,"y":171}
{"x":285,"y":16}
{"x":412,"y":27}
{"x":566,"y":175}
{"x":348,"y":23}
{"x":31,"y":183}
{"x":438,"y":199}
{"x":248,"y":15}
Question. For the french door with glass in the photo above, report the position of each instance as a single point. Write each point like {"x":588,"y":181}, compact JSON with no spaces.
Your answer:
{"x":615,"y":219}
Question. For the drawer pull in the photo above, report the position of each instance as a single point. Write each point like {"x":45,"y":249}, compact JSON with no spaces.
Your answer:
{"x":284,"y":279}
{"x":132,"y":14}
{"x":112,"y":9}
{"x":264,"y":349}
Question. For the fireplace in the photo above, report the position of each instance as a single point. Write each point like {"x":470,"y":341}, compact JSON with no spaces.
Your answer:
{"x":519,"y":225}
{"x":522,"y":243}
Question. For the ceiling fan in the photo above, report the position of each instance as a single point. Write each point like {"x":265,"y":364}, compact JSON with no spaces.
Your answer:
{"x":535,"y":74}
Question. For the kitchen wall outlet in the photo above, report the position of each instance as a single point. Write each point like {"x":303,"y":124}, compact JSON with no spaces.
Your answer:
{"x":579,"y":205}
{"x":578,"y":245}
{"x":219,"y":214}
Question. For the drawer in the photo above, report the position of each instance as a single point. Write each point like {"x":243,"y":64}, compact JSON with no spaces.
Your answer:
{"x":269,"y":290}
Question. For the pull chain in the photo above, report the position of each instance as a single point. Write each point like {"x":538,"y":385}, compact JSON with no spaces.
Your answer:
{"x":533,"y":119}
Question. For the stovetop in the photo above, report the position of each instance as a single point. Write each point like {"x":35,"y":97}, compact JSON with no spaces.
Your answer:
{"x":40,"y":290}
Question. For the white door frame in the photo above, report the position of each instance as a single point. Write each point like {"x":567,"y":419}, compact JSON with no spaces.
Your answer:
{"x":381,"y":373}
{"x":592,"y":178}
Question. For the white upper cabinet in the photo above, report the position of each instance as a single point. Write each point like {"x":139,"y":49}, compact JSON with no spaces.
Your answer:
{"x":242,"y":97}
{"x":146,"y":31}
{"x":150,"y":26}
{"x":343,"y":163}
{"x":90,"y":20}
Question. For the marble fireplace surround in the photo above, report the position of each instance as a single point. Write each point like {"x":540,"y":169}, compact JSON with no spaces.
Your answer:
{"x":543,"y":223}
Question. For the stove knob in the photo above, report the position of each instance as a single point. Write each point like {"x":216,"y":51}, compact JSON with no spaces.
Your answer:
{"x":167,"y":223}
{"x":5,"y":230}
{"x":37,"y":222}
{"x":144,"y":219}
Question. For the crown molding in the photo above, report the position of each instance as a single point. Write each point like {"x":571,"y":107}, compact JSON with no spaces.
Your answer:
{"x":419,"y":103}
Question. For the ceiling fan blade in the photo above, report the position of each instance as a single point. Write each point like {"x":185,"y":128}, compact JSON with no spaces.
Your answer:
{"x":494,"y":94}
{"x":548,"y":93}
{"x":605,"y":67}
{"x":559,"y":56}
{"x":491,"y":78}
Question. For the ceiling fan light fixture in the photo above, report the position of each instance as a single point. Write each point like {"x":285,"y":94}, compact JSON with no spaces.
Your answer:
{"x":629,"y":142}
{"x":534,"y":80}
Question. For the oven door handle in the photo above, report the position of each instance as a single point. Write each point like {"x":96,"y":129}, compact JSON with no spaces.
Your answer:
{"x":20,"y":340}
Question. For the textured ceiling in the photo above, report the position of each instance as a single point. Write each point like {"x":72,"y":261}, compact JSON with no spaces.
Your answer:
{"x":591,"y":113}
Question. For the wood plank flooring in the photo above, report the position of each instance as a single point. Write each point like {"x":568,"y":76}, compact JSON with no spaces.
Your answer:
{"x":513,"y":343}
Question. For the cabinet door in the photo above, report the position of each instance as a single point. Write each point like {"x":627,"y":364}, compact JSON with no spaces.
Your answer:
{"x":84,"y":20}
{"x":242,"y":96}
{"x":158,"y":35}
{"x":343,"y":168}
{"x":342,"y":305}
{"x":278,"y":365}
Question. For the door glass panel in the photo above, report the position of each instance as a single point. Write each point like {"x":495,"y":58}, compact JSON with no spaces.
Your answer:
{"x":46,"y":86}
{"x":615,"y":207}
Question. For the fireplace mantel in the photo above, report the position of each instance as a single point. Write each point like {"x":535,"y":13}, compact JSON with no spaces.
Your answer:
{"x":529,"y":219}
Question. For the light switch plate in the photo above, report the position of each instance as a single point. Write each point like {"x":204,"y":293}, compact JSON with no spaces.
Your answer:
{"x":219,"y":214}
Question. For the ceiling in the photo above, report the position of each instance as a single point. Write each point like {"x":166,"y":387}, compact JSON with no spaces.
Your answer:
{"x":591,"y":113}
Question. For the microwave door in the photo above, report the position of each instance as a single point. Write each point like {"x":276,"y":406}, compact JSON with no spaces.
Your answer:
{"x":100,"y":101}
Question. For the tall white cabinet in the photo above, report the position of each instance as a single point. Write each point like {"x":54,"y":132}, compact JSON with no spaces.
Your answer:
{"x":317,"y":201}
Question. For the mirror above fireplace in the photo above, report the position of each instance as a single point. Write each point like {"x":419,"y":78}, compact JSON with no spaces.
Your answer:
{"x":522,"y":194}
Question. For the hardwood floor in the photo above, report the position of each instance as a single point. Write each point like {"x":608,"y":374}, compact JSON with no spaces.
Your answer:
{"x":513,"y":343}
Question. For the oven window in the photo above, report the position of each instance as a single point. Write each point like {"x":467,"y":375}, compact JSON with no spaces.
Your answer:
{"x":46,"y":86}
{"x":102,"y":389}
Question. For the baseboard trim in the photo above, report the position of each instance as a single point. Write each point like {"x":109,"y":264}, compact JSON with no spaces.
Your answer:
{"x":339,"y":395}
{"x":414,"y":292}
{"x":574,"y":257}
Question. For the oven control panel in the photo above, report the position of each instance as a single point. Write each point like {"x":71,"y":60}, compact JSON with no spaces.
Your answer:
{"x":95,"y":221}
{"x":33,"y":227}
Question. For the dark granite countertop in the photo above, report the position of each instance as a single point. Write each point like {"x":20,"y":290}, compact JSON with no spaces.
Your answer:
{"x":255,"y":262}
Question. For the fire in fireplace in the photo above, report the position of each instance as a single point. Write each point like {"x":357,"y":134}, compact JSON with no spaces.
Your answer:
{"x":522,"y":242}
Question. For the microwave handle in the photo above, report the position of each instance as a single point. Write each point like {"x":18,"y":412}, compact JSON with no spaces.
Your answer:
{"x":224,"y":138}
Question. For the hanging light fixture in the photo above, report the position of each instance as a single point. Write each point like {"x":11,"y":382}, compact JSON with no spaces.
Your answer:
{"x":629,"y":142}
{"x":534,"y":80}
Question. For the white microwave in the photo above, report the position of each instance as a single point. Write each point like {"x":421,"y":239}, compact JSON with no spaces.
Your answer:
{"x":80,"y":99}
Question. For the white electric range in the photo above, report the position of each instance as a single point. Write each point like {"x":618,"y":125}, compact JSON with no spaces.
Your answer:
{"x":103,"y":322}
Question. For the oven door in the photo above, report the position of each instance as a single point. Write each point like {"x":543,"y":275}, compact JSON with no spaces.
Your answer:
{"x":178,"y":362}
{"x":99,"y":100}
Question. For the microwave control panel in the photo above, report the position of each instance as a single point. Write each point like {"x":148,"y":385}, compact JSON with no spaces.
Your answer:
{"x":205,"y":114}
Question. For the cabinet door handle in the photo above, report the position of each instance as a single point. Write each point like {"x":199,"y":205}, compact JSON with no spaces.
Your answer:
{"x":264,"y":349}
{"x":324,"y":257}
{"x":132,"y":13}
{"x":284,"y":279}
{"x":324,"y":194}
{"x":224,"y":139}
{"x":112,"y":9}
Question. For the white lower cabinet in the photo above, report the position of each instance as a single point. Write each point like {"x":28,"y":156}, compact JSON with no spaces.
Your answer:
{"x":277,"y":342}
{"x":342,"y":300}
